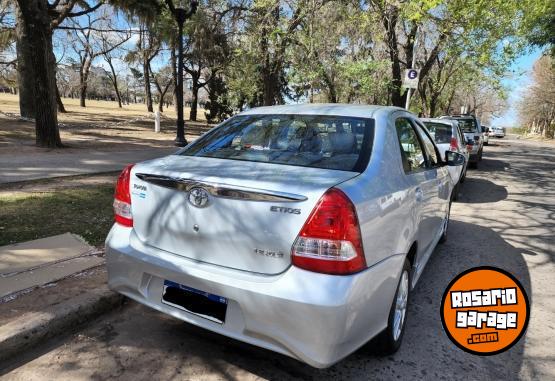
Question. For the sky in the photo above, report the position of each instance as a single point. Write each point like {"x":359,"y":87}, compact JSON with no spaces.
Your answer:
{"x":520,"y":78}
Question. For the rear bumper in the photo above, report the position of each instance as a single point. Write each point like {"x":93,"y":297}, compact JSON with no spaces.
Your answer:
{"x":316,"y":318}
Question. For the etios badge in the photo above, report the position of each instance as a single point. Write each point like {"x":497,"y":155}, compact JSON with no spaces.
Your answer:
{"x":198,"y":197}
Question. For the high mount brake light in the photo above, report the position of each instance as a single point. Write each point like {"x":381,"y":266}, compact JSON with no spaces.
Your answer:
{"x":122,"y":198}
{"x":330,"y":240}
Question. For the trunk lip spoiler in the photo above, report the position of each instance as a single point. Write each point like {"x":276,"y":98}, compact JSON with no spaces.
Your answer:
{"x":221,"y":190}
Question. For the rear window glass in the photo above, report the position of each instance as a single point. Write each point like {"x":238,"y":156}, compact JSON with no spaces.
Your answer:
{"x":441,"y":133}
{"x":467,"y":124}
{"x":331,"y":142}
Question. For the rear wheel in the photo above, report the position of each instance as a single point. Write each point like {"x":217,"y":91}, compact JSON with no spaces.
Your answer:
{"x":473,"y":164}
{"x":389,"y":341}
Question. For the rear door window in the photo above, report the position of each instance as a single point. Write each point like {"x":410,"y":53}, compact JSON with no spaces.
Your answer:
{"x":319,"y":141}
{"x":429,"y":146}
{"x":412,"y":152}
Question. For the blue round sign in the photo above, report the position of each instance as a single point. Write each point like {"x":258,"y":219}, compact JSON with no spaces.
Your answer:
{"x":412,"y":74}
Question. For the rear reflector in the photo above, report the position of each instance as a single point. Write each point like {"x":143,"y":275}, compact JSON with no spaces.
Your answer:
{"x":330,"y":240}
{"x":122,"y":198}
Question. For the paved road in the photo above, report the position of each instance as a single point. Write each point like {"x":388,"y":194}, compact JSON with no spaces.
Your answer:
{"x":69,"y":162}
{"x":505,"y":218}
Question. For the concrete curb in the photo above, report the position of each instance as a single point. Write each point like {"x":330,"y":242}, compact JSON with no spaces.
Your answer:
{"x":32,"y":328}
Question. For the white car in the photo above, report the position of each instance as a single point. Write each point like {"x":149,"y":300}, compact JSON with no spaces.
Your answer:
{"x":449,"y":137}
{"x":300,"y":229}
{"x":498,"y":132}
{"x":486,"y":134}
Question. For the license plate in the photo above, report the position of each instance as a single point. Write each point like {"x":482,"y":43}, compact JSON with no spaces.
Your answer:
{"x":197,"y":302}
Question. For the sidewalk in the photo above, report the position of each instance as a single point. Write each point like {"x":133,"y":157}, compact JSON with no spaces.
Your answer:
{"x":67,"y":278}
{"x":15,"y":168}
{"x":26,"y":265}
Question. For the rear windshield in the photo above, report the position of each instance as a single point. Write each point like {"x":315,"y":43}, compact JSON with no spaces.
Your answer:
{"x":467,"y":124}
{"x":331,"y":142}
{"x":442,"y":133}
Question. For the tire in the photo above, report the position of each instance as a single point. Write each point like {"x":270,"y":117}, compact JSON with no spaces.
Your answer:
{"x":480,"y":156}
{"x":389,"y":340}
{"x":473,"y":164}
{"x":446,"y":223}
{"x":463,"y":177}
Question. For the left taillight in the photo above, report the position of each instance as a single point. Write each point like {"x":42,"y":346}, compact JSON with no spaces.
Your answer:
{"x":122,"y":198}
{"x":454,"y":145}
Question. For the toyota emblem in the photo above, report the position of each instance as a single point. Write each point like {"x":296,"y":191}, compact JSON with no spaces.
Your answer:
{"x":198,"y":197}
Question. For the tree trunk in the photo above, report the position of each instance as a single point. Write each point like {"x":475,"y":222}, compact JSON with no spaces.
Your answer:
{"x":114,"y":79}
{"x":59,"y":102}
{"x":332,"y":93}
{"x":194,"y":99}
{"x":82,"y":90}
{"x":38,"y":35}
{"x":390,"y":25}
{"x":148,"y":92}
{"x":25,"y":71}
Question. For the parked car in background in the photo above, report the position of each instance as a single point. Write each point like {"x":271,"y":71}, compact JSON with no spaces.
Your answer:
{"x":470,"y":126}
{"x":498,"y":132}
{"x":486,"y":134}
{"x":449,"y":137}
{"x":299,"y":228}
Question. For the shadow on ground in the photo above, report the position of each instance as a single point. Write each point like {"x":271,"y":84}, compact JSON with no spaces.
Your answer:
{"x":138,"y":341}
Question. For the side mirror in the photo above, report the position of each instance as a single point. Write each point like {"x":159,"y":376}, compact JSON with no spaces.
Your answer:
{"x":454,"y":158}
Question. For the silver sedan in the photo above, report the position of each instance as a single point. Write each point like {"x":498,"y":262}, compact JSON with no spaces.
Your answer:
{"x":300,"y":228}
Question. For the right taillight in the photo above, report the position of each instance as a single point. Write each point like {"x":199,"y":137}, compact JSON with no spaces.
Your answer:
{"x":330,"y":240}
{"x":122,"y":198}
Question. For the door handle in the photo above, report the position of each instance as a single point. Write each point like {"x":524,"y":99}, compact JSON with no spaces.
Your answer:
{"x":418,"y":194}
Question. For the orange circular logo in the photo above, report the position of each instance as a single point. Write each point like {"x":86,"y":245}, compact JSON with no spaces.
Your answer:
{"x":485,"y":310}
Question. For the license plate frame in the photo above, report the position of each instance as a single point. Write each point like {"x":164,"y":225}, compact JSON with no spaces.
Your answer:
{"x":196,"y":302}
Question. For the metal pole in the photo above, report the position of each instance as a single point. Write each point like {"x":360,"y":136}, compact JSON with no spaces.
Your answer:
{"x":180,"y":140}
{"x":407,"y":104}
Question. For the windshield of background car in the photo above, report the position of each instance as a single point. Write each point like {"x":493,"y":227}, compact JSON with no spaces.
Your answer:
{"x":318,"y":141}
{"x":441,"y":133}
{"x":467,"y":124}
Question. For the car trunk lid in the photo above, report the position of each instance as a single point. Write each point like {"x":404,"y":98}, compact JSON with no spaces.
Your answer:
{"x":237,"y":214}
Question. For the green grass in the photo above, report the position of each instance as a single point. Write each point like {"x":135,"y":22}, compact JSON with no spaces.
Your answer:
{"x":86,"y":211}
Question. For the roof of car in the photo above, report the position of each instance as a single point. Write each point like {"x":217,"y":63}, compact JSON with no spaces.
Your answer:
{"x":364,"y":111}
{"x":458,"y":116}
{"x":437,"y":120}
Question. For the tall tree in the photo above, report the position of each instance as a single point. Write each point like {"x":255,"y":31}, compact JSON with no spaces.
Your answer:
{"x":37,"y":20}
{"x":89,"y":43}
{"x":537,"y":106}
{"x":163,"y":80}
{"x":206,"y":52}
